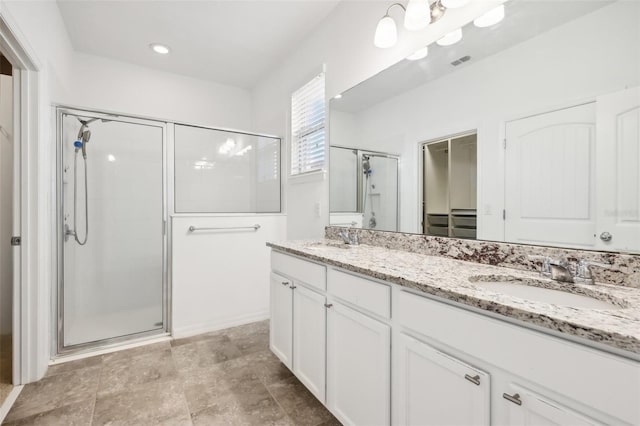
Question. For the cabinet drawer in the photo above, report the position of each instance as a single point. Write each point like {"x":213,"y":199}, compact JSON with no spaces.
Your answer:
{"x":369,"y":295}
{"x":297,"y":269}
{"x":613,"y":387}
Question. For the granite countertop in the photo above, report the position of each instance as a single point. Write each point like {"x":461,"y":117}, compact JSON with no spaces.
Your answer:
{"x":451,"y":279}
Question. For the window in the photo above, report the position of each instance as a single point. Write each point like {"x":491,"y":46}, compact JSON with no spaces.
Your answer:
{"x":307,"y":127}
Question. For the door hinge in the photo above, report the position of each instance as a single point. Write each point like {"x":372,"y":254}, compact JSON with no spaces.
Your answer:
{"x":504,"y":214}
{"x":504,"y":143}
{"x":15,"y":241}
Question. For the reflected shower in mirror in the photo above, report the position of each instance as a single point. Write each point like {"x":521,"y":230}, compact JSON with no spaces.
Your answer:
{"x":551,"y":96}
{"x":364,"y":189}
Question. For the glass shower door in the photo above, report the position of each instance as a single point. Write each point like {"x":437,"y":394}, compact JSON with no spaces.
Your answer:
{"x":113,"y":243}
{"x":379,"y":192}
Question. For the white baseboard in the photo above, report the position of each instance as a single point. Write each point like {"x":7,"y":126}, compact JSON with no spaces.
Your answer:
{"x":221,"y":324}
{"x":8,"y":402}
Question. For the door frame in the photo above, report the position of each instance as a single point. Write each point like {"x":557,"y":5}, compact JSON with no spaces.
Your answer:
{"x":58,"y":348}
{"x":31,"y":271}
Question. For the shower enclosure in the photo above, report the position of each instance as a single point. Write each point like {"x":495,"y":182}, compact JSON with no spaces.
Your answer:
{"x":112,"y":228}
{"x":363,"y":189}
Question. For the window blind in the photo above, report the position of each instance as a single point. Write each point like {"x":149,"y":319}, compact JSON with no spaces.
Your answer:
{"x":307,"y":127}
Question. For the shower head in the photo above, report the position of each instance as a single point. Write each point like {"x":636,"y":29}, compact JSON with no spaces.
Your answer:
{"x":366,"y":166}
{"x":84,"y":134}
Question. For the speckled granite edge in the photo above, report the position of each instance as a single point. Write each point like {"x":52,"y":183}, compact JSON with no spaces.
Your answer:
{"x":443,"y":279}
{"x":625,"y":268}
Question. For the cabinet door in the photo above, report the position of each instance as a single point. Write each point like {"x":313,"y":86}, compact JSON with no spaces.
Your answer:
{"x":528,"y":408}
{"x":281,"y":325}
{"x":358,"y":367}
{"x":432,"y":388}
{"x":309,"y":339}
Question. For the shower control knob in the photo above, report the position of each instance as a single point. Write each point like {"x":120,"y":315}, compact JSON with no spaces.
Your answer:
{"x":606,"y":237}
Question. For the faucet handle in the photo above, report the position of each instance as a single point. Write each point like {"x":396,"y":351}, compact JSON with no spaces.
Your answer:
{"x":546,"y":263}
{"x":583,"y":270}
{"x":584,"y":262}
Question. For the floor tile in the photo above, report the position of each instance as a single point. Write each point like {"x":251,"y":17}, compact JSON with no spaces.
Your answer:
{"x":251,"y":329}
{"x":268,"y":367}
{"x":299,"y":404}
{"x":55,"y":392}
{"x":156,"y":403}
{"x":77,"y":414}
{"x":204,"y":353}
{"x":119,"y":375}
{"x":65,"y":367}
{"x":128,"y":354}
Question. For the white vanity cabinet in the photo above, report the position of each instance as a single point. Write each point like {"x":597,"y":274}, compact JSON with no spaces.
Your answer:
{"x":433,"y":388}
{"x":281,"y":324}
{"x":298,"y":319}
{"x":528,"y":408}
{"x":358,"y":367}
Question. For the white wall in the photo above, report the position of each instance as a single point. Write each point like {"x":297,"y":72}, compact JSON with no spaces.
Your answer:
{"x":344,"y":42}
{"x":595,"y":54}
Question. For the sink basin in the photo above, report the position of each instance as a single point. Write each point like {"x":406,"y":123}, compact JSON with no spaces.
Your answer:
{"x":546,"y":295}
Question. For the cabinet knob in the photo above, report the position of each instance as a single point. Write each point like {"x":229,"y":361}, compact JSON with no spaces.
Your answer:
{"x":473,"y":379}
{"x":515,"y":398}
{"x":328,"y":305}
{"x":285,"y":283}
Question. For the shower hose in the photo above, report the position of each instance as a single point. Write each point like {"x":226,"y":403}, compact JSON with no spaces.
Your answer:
{"x":75,"y":201}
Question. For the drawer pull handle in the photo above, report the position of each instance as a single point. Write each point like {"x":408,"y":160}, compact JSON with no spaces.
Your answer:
{"x":473,"y":379}
{"x":328,"y":305}
{"x":285,"y":283}
{"x":293,"y":287}
{"x":515,"y":398}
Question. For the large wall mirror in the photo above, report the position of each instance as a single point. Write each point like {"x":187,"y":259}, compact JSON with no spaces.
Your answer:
{"x":527,"y":131}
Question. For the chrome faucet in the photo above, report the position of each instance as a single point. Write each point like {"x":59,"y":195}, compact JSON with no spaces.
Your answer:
{"x":350,"y":237}
{"x":560,"y":270}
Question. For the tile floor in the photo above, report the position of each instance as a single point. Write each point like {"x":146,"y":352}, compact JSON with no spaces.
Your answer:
{"x":227,"y":377}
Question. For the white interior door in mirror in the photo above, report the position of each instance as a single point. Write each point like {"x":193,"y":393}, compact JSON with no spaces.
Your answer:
{"x":617,"y":170}
{"x":549,"y":178}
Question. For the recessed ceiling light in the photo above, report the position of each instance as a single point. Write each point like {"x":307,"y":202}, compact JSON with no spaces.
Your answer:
{"x":452,"y":38}
{"x":419,"y":54}
{"x":159,"y":48}
{"x":338,"y":96}
{"x":490,"y":18}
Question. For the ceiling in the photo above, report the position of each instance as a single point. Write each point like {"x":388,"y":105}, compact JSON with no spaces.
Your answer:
{"x":229,"y":42}
{"x":524,"y":19}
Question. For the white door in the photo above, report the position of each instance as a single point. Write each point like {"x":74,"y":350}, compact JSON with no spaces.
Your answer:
{"x":358,"y":367}
{"x":281,"y":324}
{"x":549,"y":178}
{"x":432,"y":388}
{"x":309,"y":339}
{"x":618,"y":171}
{"x":527,"y":408}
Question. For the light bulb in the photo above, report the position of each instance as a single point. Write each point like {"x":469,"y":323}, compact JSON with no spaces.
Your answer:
{"x":452,"y":38}
{"x":338,"y":96}
{"x":490,"y":18}
{"x":419,"y":54}
{"x":159,"y":48}
{"x":418,"y":15}
{"x":453,"y":4}
{"x":386,"y":33}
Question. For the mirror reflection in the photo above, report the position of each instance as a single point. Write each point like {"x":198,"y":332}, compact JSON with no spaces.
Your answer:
{"x":526,"y":131}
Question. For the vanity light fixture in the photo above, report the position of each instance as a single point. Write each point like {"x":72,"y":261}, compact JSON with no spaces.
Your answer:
{"x":160,"y":49}
{"x":454,"y":4}
{"x":419,"y":54}
{"x":490,"y":18}
{"x":417,"y":15}
{"x":451,"y":38}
